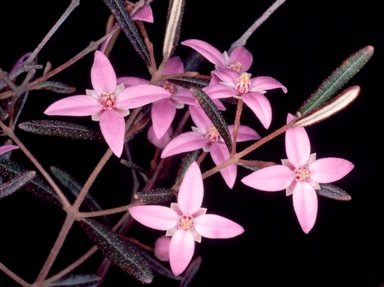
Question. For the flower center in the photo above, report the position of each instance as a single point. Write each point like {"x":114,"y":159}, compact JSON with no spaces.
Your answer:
{"x":243,"y":84}
{"x":302,"y":173}
{"x":186,"y":222}
{"x":108,"y":100}
{"x":169,"y":87}
{"x":212,"y":135}
{"x":235,"y":66}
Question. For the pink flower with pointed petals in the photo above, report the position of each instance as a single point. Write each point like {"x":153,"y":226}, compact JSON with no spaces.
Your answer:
{"x":186,"y":221}
{"x":300,"y":175}
{"x":206,"y":136}
{"x":108,"y":102}
{"x":250,"y":90}
{"x":240,"y":59}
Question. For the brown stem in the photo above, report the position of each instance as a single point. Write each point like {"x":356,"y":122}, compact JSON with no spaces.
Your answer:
{"x":239,"y":110}
{"x":12,"y":275}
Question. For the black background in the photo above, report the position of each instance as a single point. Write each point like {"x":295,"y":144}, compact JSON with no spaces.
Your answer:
{"x":299,"y":45}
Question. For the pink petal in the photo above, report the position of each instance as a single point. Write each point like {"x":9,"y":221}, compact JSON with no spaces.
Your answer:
{"x":144,"y":14}
{"x":244,"y":133}
{"x":227,"y":76}
{"x":242,"y":55}
{"x":155,"y":216}
{"x":163,"y":113}
{"x":184,"y":96}
{"x":162,"y":248}
{"x":181,"y":251}
{"x":219,"y":153}
{"x":215,"y":226}
{"x":297,"y":146}
{"x":103,"y":75}
{"x":260,"y":105}
{"x":185,"y":142}
{"x":174,"y":66}
{"x":219,"y":91}
{"x":159,"y":142}
{"x":141,"y":95}
{"x":305,"y":205}
{"x":131,"y":81}
{"x":6,"y":148}
{"x":208,"y":51}
{"x":81,"y":105}
{"x":191,"y":190}
{"x":272,"y":178}
{"x":329,"y":169}
{"x":265,"y":84}
{"x":112,"y":127}
{"x":200,"y":118}
{"x":19,"y":63}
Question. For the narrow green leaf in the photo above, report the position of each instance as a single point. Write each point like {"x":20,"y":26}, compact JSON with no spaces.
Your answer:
{"x":77,"y":280}
{"x":36,"y":185}
{"x":119,"y":10}
{"x":214,"y":114}
{"x":120,"y":252}
{"x":186,"y":161}
{"x":337,"y":79}
{"x":333,"y":192}
{"x":190,"y":273}
{"x":189,"y":82}
{"x":134,"y":166}
{"x":61,"y":129}
{"x":155,"y":196}
{"x":57,"y":87}
{"x":15,"y":183}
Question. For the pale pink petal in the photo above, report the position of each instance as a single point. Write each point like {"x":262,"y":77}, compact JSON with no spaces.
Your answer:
{"x":297,"y":146}
{"x":184,"y":96}
{"x":208,"y":51}
{"x":191,"y":190}
{"x":144,"y":14}
{"x":155,"y":216}
{"x":272,"y":178}
{"x":103,"y":75}
{"x":305,"y":204}
{"x":227,"y":76}
{"x":6,"y":148}
{"x":174,"y":66}
{"x":131,"y":81}
{"x":260,"y":105}
{"x":244,"y":133}
{"x":162,"y":248}
{"x":329,"y":169}
{"x":183,"y":143}
{"x":141,"y":95}
{"x":242,"y":55}
{"x":215,"y":226}
{"x":81,"y":105}
{"x":219,"y":91}
{"x":200,"y":118}
{"x":104,"y":45}
{"x":219,"y":153}
{"x":266,"y":83}
{"x":112,"y":127}
{"x":159,"y":142}
{"x":181,"y":251}
{"x":163,"y":112}
{"x":19,"y":63}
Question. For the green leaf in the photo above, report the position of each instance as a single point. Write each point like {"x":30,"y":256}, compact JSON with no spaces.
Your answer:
{"x":119,"y":10}
{"x":189,"y":82}
{"x":61,"y":129}
{"x":15,"y":183}
{"x":336,"y":80}
{"x":333,"y":192}
{"x":120,"y":252}
{"x":155,"y":196}
{"x":77,"y":280}
{"x":186,"y":161}
{"x":36,"y":185}
{"x":191,"y":271}
{"x":57,"y":87}
{"x":134,"y":166}
{"x":214,"y":115}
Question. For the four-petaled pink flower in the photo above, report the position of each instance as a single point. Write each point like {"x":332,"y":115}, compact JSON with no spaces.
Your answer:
{"x":250,"y":90}
{"x":240,"y":59}
{"x":108,"y":102}
{"x":207,"y":137}
{"x":186,"y":221}
{"x":300,"y":175}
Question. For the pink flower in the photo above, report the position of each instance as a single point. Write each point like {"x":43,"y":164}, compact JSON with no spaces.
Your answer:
{"x":159,"y":142}
{"x":250,"y":90}
{"x":300,"y":175}
{"x":206,"y":136}
{"x":108,"y":102}
{"x":162,"y":248}
{"x":240,"y":59}
{"x":6,"y":148}
{"x":186,"y":221}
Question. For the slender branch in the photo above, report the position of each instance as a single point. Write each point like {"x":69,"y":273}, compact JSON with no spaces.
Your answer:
{"x":235,"y":132}
{"x":105,"y":211}
{"x":16,"y":278}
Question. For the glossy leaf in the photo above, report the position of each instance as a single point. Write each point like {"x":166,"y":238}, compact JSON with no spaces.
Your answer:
{"x":186,"y":161}
{"x":61,"y":129}
{"x":337,"y":79}
{"x":189,"y":82}
{"x":77,"y":280}
{"x":15,"y":183}
{"x":120,"y":252}
{"x":119,"y":10}
{"x":190,"y":273}
{"x":36,"y":185}
{"x":214,"y":115}
{"x":155,"y":196}
{"x":333,"y":192}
